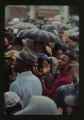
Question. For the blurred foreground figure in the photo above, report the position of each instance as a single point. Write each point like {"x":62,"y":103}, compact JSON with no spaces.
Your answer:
{"x":13,"y":103}
{"x":39,"y":105}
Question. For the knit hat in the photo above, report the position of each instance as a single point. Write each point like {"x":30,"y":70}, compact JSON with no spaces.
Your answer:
{"x":39,"y":105}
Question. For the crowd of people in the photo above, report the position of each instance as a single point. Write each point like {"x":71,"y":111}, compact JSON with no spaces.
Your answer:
{"x":42,"y":68}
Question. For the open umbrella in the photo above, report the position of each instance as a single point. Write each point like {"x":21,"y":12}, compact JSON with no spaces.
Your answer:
{"x":52,"y":26}
{"x":67,"y":26}
{"x":72,"y":30}
{"x":23,"y":25}
{"x":12,"y":23}
{"x":38,"y":35}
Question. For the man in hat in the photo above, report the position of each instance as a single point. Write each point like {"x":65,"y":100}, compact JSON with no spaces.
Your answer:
{"x":26,"y":84}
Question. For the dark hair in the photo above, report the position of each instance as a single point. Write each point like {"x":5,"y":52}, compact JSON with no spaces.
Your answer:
{"x":10,"y":29}
{"x":26,"y":65}
{"x":57,"y":47}
{"x":41,"y":58}
{"x":71,"y":57}
{"x":74,"y":38}
{"x":10,"y":37}
{"x":18,"y":41}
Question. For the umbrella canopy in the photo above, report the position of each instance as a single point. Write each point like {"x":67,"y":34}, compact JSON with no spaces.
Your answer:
{"x":50,"y":27}
{"x":67,"y":26}
{"x":38,"y":35}
{"x":23,"y":25}
{"x":67,"y":21}
{"x":71,"y":31}
{"x":11,"y":23}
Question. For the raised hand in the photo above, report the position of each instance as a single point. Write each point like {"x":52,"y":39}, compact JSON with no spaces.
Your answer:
{"x":37,"y":73}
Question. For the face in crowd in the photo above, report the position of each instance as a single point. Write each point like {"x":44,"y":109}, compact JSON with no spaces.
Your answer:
{"x":63,"y":40}
{"x":58,"y":54}
{"x":51,"y":45}
{"x":63,"y":61}
{"x":18,"y":65}
{"x":71,"y":43}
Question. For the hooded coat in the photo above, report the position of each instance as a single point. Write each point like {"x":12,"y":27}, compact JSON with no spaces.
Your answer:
{"x":39,"y":105}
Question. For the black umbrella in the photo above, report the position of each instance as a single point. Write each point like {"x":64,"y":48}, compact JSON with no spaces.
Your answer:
{"x":38,"y":35}
{"x":52,"y":26}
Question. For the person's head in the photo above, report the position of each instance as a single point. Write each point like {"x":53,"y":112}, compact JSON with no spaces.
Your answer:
{"x":72,"y":105}
{"x":64,"y":60}
{"x":58,"y":54}
{"x":42,"y":60}
{"x":37,"y":46}
{"x":51,"y":44}
{"x":72,"y":41}
{"x":25,"y":59}
{"x":63,"y":40}
{"x":19,"y":65}
{"x":34,"y":45}
{"x":9,"y":58}
{"x":10,"y":30}
{"x":12,"y":103}
{"x":57,"y":51}
{"x":9,"y":37}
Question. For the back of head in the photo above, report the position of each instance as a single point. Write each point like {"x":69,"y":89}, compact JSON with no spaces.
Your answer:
{"x":73,"y":103}
{"x":39,"y":105}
